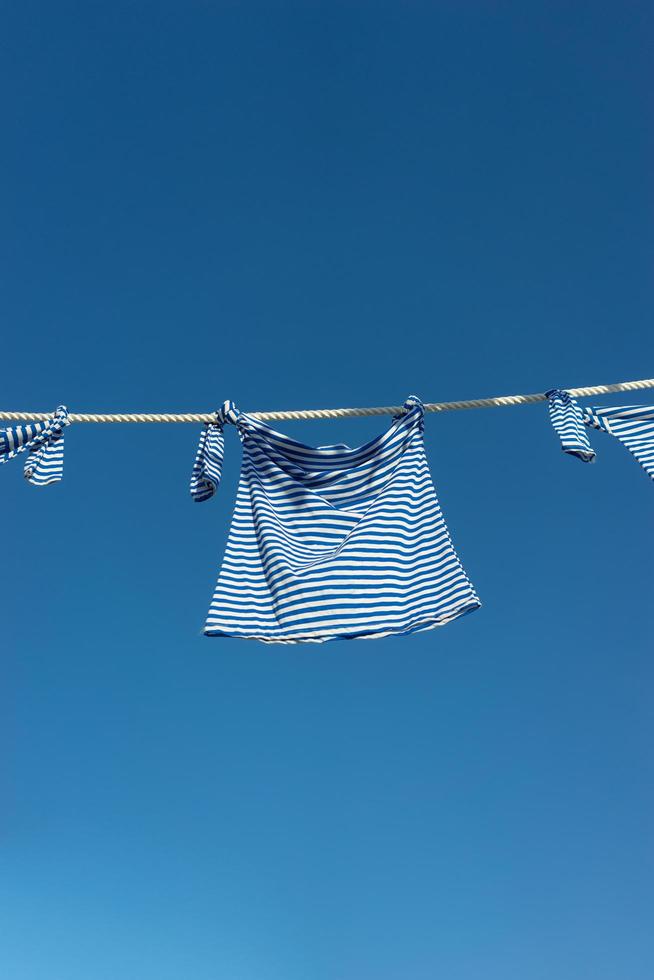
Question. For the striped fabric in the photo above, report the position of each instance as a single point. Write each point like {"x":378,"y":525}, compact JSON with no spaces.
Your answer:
{"x":44,"y":441}
{"x":568,"y":421}
{"x":205,"y":478}
{"x":330,"y":542}
{"x":633,"y":425}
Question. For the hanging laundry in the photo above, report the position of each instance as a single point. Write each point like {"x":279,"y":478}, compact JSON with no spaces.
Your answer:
{"x":44,"y":441}
{"x":633,"y":425}
{"x":330,"y":542}
{"x":207,"y":468}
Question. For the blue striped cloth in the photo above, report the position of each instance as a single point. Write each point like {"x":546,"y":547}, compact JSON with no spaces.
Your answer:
{"x":330,"y":542}
{"x":633,"y":425}
{"x":207,"y":468}
{"x":44,"y":441}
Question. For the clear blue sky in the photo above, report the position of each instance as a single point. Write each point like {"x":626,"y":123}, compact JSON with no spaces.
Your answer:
{"x":325,"y":204}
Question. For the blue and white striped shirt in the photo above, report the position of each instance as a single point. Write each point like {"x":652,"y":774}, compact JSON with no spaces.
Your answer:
{"x":633,"y":425}
{"x":44,"y":442}
{"x":330,"y":542}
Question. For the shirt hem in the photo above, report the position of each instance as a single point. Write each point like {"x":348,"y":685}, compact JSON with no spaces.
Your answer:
{"x":417,"y":626}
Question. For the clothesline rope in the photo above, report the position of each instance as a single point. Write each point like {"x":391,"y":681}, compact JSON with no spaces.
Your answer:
{"x":500,"y":401}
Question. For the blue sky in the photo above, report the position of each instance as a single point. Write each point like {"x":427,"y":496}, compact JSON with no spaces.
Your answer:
{"x":314,"y":205}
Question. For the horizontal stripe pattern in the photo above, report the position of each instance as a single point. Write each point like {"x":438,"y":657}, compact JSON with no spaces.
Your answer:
{"x":568,"y":421}
{"x":44,"y":442}
{"x":633,"y":425}
{"x":333,"y":543}
{"x":207,"y":468}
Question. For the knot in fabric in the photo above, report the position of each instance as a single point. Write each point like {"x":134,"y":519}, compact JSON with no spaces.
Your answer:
{"x":413,"y":402}
{"x":414,"y":407}
{"x":228,"y":412}
{"x":208,"y":465}
{"x":569,"y":423}
{"x":44,"y":443}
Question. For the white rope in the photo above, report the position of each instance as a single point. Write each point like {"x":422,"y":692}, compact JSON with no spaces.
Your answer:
{"x":334,"y":413}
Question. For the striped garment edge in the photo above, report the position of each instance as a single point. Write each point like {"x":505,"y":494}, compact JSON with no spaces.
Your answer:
{"x":330,"y":542}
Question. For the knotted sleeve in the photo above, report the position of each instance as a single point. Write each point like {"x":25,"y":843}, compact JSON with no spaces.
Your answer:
{"x":44,"y":441}
{"x":208,"y":465}
{"x":568,"y":420}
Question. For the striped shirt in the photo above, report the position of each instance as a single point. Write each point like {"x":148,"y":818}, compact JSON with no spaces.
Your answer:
{"x":331,"y":542}
{"x":633,"y":425}
{"x":44,"y":442}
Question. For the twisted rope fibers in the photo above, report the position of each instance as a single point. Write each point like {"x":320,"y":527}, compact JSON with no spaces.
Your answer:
{"x":501,"y":401}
